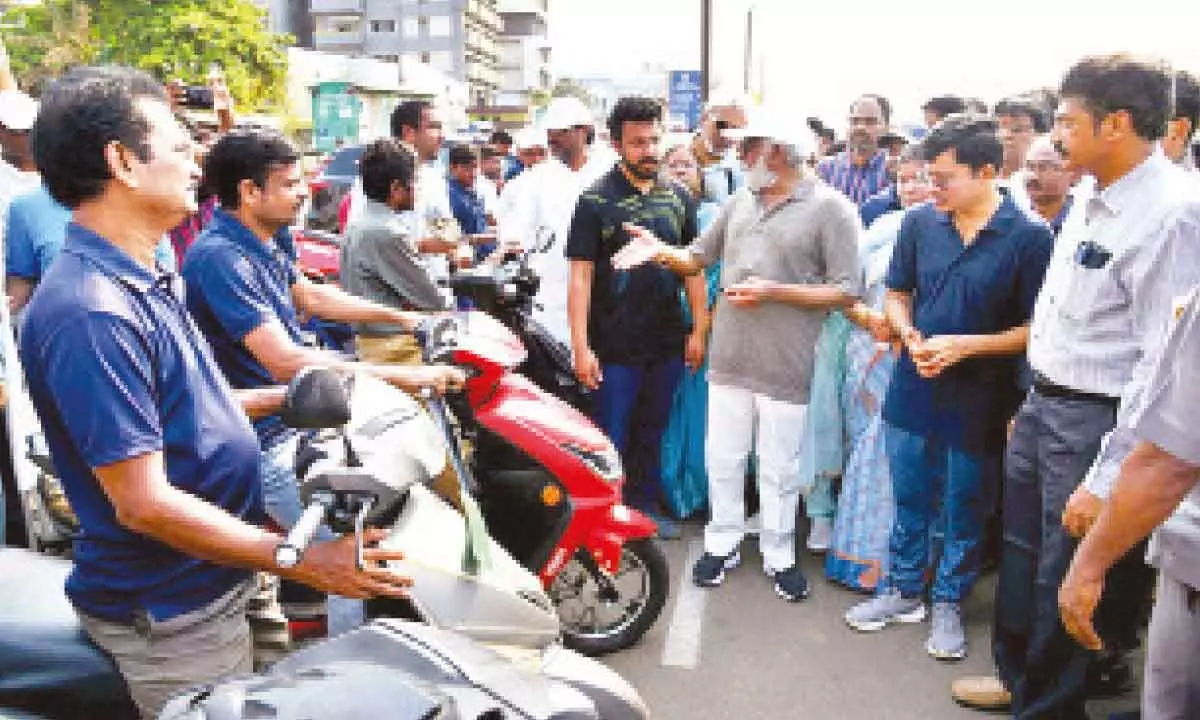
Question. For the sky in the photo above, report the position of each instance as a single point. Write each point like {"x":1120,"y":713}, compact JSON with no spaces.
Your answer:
{"x":815,"y":58}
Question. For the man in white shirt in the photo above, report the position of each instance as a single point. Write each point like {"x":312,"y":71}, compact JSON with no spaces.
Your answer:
{"x":546,"y":203}
{"x":531,"y":145}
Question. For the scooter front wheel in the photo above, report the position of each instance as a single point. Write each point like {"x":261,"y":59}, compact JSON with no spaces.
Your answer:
{"x":597,"y":621}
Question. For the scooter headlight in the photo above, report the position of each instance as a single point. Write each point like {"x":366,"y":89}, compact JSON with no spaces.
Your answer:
{"x":605,"y":461}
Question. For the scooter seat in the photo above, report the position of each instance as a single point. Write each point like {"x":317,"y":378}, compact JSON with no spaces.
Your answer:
{"x":47,"y":664}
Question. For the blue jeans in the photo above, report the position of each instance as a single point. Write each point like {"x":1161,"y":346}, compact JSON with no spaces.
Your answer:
{"x":281,"y":495}
{"x":632,"y":405}
{"x":943,"y":496}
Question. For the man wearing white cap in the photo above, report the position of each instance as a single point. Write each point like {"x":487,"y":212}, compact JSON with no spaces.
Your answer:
{"x":546,"y":202}
{"x":788,"y":245}
{"x":17,"y":173}
{"x":530,"y":144}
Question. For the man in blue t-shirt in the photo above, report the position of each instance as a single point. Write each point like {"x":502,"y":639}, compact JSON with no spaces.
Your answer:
{"x":34,"y":233}
{"x":246,"y":296}
{"x":963,"y":279}
{"x":153,"y":447}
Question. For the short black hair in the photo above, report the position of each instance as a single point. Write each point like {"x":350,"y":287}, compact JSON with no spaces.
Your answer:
{"x":1112,"y":83}
{"x":1187,"y":99}
{"x":1019,"y":105}
{"x":461,"y":155}
{"x":245,"y":155}
{"x":79,"y":116}
{"x":487,"y":151}
{"x":944,"y":105}
{"x":501,"y":137}
{"x":974,"y":139}
{"x":382,"y":163}
{"x":885,"y":107}
{"x":408,"y":114}
{"x":633,"y":109}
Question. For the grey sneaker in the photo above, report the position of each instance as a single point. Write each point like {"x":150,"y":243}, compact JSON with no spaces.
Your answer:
{"x":947,"y":641}
{"x":887,"y":607}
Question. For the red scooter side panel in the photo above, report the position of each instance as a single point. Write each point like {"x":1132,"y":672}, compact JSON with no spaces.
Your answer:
{"x":541,"y":425}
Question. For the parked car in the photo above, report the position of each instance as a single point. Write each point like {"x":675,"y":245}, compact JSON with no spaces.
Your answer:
{"x":331,"y":185}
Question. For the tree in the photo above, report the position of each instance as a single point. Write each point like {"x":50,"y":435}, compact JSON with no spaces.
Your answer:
{"x":51,"y":38}
{"x":167,"y":38}
{"x":567,"y":87}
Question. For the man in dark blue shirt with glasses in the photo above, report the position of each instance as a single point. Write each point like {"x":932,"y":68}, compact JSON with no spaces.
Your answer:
{"x":961,"y":288}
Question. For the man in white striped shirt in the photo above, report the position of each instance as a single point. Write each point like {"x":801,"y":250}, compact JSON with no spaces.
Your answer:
{"x":1103,"y":309}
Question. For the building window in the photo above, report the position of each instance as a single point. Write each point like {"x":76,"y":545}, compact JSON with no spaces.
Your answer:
{"x":383,"y":26}
{"x":439,"y":26}
{"x":425,"y":58}
{"x":423,"y":23}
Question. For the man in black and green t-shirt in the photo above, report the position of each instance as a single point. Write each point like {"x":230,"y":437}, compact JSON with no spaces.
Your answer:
{"x":628,"y":332}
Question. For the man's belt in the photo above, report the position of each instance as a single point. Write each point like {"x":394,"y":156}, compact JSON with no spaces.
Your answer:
{"x":1044,"y":387}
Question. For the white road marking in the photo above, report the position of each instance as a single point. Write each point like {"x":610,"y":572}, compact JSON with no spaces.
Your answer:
{"x":682,"y":646}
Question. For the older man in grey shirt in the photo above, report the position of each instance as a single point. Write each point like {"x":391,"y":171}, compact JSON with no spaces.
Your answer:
{"x":1103,"y":310}
{"x":379,"y":261}
{"x":1158,"y":487}
{"x":788,"y":247}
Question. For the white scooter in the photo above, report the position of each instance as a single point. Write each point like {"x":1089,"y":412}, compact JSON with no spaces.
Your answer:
{"x":375,"y":453}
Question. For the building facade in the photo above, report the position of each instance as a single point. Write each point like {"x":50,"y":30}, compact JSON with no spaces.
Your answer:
{"x":524,"y":51}
{"x":456,"y":37}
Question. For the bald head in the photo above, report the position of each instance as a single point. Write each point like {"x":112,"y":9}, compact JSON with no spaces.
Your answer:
{"x":1048,"y":180}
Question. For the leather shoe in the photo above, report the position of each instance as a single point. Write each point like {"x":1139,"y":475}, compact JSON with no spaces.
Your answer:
{"x":981,"y":693}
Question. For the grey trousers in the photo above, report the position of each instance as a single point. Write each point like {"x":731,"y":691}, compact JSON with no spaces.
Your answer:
{"x":158,"y":659}
{"x":1172,"y":684}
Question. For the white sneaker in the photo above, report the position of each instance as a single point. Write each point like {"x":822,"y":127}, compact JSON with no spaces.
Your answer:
{"x":820,"y":535}
{"x":885,"y":608}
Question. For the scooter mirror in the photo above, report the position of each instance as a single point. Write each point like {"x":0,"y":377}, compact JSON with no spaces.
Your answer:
{"x":316,"y":399}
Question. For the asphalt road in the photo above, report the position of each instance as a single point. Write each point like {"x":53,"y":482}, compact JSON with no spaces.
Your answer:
{"x":739,"y":651}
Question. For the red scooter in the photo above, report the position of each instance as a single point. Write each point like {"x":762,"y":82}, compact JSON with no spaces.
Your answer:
{"x":549,"y":485}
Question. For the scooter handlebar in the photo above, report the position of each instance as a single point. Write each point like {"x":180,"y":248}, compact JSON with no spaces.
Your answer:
{"x":289,"y":552}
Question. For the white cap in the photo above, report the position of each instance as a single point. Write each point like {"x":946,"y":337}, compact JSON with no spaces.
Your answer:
{"x":783,"y":129}
{"x":530,"y":137}
{"x":17,"y":110}
{"x":564,"y":113}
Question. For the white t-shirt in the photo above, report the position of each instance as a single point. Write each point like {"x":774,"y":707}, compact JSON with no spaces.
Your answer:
{"x":545,"y":200}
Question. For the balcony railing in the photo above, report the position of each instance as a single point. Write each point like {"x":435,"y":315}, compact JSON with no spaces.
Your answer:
{"x":326,"y":38}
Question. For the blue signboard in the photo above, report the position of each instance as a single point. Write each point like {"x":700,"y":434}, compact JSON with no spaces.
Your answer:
{"x":683,"y":98}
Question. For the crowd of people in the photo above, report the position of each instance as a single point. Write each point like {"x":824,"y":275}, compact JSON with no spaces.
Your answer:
{"x":960,"y":348}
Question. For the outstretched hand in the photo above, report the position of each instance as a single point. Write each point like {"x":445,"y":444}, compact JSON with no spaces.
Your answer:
{"x":643,"y":247}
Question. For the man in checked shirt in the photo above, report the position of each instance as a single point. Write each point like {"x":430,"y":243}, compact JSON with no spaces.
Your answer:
{"x":1103,"y":311}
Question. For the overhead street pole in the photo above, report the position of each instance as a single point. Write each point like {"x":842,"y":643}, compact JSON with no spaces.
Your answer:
{"x":705,"y":48}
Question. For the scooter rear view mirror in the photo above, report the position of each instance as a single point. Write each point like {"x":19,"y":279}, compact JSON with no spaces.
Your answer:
{"x":317,"y":398}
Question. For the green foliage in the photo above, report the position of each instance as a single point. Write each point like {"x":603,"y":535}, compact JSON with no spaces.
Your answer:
{"x":167,"y":38}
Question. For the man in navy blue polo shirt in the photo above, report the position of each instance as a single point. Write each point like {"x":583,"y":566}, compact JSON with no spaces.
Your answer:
{"x":961,"y":287}
{"x":246,"y":296}
{"x":153,"y":448}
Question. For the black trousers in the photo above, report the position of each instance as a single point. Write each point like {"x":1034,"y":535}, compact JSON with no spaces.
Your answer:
{"x":1055,"y":440}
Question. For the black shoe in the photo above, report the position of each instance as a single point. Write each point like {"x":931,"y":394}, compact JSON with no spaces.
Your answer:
{"x":1109,"y":676}
{"x":709,"y":570}
{"x":791,"y":585}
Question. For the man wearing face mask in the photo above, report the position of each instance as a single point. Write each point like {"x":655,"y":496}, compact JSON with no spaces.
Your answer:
{"x":788,"y":247}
